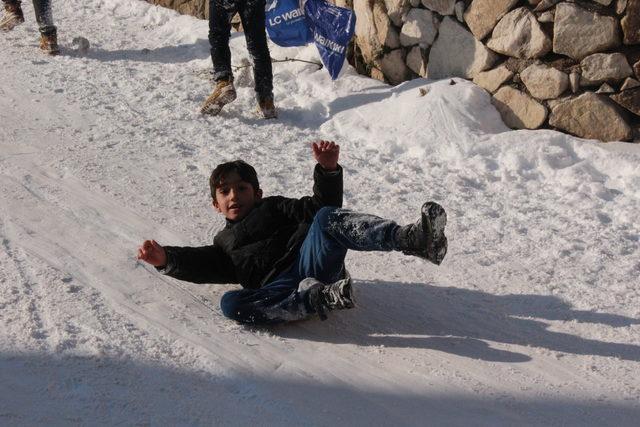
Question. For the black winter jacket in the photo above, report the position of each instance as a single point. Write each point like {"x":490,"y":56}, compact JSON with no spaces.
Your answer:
{"x":254,"y":250}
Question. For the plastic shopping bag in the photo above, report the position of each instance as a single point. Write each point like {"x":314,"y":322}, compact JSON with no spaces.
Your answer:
{"x":332,"y":29}
{"x":286,"y":24}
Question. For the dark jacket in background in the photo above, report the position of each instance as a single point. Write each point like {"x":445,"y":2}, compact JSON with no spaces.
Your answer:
{"x":254,"y":250}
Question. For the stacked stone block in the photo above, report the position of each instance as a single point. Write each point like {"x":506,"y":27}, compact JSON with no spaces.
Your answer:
{"x":569,"y":65}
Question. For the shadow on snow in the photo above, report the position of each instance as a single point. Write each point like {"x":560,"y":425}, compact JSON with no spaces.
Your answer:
{"x":41,"y":389}
{"x":458,"y":321}
{"x":173,"y":54}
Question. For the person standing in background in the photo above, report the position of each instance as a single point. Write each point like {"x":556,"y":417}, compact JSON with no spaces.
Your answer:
{"x":252,"y":15}
{"x":13,"y":16}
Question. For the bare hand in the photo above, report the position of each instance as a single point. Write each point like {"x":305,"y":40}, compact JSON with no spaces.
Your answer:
{"x":153,"y":253}
{"x":326,"y":154}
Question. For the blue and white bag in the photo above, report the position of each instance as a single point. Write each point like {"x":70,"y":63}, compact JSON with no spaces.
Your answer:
{"x":332,"y":28}
{"x":286,"y":24}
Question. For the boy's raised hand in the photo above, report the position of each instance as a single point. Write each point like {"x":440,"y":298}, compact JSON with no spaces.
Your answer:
{"x":326,"y":154}
{"x":153,"y":253}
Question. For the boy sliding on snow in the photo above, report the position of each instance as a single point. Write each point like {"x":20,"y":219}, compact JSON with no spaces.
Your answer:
{"x":252,"y":15}
{"x":13,"y":16}
{"x":288,"y":254}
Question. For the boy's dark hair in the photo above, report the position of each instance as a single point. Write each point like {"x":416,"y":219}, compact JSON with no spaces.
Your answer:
{"x":245,"y":170}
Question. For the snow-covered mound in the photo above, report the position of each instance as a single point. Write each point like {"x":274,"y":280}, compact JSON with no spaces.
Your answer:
{"x":533,"y":318}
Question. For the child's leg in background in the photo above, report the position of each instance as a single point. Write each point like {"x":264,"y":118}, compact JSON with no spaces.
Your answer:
{"x":252,"y":15}
{"x":322,"y":254}
{"x":44,"y":16}
{"x":220,"y":14}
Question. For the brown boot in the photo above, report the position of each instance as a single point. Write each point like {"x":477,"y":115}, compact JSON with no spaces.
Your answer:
{"x":12,"y":17}
{"x":266,"y":109}
{"x":223,"y":94}
{"x":49,"y":44}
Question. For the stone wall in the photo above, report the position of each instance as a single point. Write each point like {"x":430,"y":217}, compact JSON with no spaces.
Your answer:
{"x":570,"y":65}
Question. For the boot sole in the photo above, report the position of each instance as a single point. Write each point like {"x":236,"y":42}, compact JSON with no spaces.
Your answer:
{"x":51,"y":52}
{"x":434,"y":221}
{"x":264,"y":116}
{"x":214,"y":107}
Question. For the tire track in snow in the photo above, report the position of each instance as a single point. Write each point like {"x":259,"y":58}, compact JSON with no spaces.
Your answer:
{"x":23,"y":287}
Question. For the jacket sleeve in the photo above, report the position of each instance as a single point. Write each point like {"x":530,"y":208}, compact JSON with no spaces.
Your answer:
{"x":204,"y":264}
{"x":327,"y":191}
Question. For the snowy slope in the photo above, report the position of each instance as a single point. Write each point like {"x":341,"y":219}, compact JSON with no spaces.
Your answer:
{"x":533,"y":318}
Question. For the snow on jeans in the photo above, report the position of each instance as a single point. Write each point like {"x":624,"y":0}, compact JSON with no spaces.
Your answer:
{"x":252,"y":16}
{"x":321,"y":256}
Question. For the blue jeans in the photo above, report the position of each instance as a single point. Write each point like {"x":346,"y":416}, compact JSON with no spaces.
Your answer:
{"x":252,"y":15}
{"x":321,"y":256}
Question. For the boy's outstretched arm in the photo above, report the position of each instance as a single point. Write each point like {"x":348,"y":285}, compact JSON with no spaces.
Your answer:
{"x":150,"y":251}
{"x":326,"y":154}
{"x":202,"y":264}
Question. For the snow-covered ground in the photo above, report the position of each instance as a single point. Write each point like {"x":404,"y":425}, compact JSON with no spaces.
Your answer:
{"x":533,"y":318}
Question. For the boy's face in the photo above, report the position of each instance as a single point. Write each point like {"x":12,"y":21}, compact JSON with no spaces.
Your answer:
{"x":235,"y":198}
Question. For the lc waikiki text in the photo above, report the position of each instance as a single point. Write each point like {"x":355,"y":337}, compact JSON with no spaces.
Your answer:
{"x":286,"y":17}
{"x":329,"y":44}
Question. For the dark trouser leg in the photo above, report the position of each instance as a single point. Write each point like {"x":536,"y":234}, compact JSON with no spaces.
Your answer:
{"x":253,"y":20}
{"x":220,"y":14}
{"x":274,"y":303}
{"x":322,"y":254}
{"x":44,"y":16}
